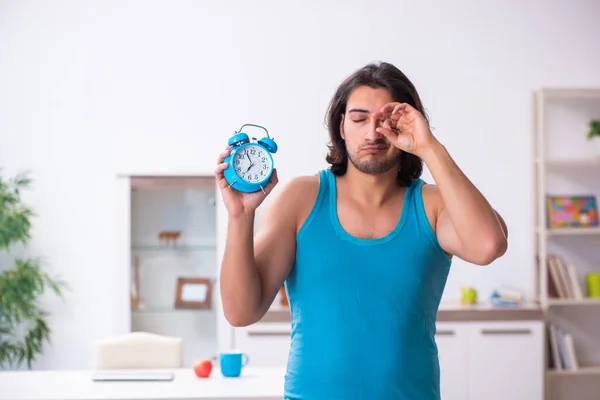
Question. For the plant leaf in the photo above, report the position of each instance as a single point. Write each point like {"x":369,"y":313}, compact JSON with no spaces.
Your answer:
{"x":24,"y":328}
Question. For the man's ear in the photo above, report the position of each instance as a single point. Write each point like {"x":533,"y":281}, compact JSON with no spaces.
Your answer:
{"x":342,"y":127}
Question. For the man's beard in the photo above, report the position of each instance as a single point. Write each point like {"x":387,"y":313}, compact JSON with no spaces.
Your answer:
{"x":375,"y":166}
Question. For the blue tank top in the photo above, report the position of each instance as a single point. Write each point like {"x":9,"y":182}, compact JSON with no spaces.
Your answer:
{"x":363,"y":311}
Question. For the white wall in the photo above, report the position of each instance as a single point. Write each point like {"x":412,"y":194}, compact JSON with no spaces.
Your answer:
{"x":89,"y":90}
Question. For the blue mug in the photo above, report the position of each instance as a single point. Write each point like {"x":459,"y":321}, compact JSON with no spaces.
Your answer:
{"x":232,"y":363}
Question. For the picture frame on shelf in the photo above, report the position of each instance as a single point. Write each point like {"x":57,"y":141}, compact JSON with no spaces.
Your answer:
{"x":193,"y":293}
{"x":572,"y":211}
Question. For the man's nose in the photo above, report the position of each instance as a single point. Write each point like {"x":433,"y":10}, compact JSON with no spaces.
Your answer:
{"x":372,"y":134}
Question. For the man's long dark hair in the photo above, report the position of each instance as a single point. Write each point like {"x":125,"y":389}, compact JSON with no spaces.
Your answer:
{"x":376,"y":75}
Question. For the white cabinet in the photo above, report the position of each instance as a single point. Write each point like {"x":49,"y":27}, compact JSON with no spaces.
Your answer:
{"x":452,"y":340}
{"x":507,"y":360}
{"x":267,"y":344}
{"x":491,"y":360}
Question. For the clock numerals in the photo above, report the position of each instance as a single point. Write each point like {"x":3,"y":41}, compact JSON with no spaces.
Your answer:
{"x":252,"y":164}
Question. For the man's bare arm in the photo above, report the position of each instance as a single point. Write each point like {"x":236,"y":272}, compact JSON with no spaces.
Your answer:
{"x":467,"y":226}
{"x":254,"y":268}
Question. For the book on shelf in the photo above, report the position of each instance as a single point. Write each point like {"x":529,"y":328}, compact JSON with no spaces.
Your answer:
{"x":562,"y":279}
{"x":562,"y":356}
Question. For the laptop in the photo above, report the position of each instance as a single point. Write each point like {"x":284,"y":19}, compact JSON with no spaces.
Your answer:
{"x":132,"y":376}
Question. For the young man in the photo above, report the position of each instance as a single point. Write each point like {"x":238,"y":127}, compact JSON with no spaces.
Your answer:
{"x":364,"y":248}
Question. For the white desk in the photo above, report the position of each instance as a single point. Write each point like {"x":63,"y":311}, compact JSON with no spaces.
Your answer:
{"x":255,"y":384}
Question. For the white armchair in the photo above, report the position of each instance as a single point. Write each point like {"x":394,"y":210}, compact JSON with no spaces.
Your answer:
{"x":139,"y":350}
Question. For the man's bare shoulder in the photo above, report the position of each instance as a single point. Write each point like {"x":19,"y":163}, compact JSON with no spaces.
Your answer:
{"x":297,"y":190}
{"x":432,"y":203}
{"x":296,"y":196}
{"x":303,"y":183}
{"x":432,"y":198}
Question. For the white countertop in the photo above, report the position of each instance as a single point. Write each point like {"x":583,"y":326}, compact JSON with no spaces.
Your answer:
{"x":254,"y":383}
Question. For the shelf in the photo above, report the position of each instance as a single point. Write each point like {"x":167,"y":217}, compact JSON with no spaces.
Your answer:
{"x":150,"y":311}
{"x":574,"y":302}
{"x":581,"y":371}
{"x":182,"y":182}
{"x":573,"y":231}
{"x":165,"y":248}
{"x":571,"y":93}
{"x":570,"y":231}
{"x":593,"y":162}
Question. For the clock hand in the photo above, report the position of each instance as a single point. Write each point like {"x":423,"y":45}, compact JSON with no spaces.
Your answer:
{"x":251,"y":163}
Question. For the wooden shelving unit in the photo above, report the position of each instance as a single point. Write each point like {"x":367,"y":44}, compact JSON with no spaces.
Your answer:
{"x":565,"y":165}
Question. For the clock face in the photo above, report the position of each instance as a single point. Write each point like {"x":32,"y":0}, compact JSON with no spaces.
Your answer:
{"x":252,"y":163}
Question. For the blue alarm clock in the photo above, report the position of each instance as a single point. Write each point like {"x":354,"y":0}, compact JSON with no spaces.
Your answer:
{"x":250,"y":163}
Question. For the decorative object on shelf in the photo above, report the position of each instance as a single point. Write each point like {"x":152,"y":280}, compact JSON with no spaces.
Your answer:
{"x":24,"y":324}
{"x":168,"y":238}
{"x":594,"y":135}
{"x":468,"y":295}
{"x":175,"y":219}
{"x":193,"y":293}
{"x":571,"y":211}
{"x":592,"y":281}
{"x":506,"y":298}
{"x":250,"y":164}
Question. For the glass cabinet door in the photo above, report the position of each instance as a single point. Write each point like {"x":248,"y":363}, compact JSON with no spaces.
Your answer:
{"x":174,"y":262}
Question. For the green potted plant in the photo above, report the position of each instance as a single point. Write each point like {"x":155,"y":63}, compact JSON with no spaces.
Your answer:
{"x":24,"y":326}
{"x":594,"y":135}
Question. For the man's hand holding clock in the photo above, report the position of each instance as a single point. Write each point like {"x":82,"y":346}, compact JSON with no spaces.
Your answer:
{"x":236,"y":202}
